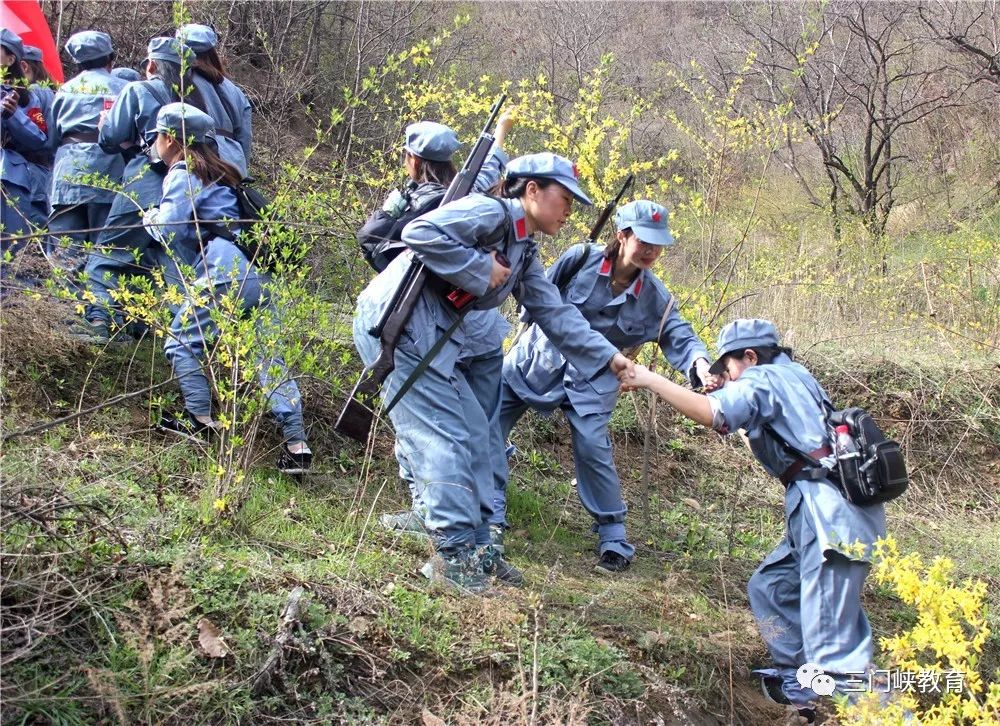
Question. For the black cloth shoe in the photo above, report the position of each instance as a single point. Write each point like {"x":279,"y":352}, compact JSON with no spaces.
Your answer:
{"x":186,"y":425}
{"x":770,"y":686}
{"x":612,"y":563}
{"x":289,"y":463}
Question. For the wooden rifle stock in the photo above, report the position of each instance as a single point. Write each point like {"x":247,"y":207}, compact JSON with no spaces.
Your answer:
{"x":356,"y":418}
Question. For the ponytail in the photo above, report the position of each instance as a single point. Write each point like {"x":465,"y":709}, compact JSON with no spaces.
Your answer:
{"x":614,"y":248}
{"x":438,"y":172}
{"x":209,"y":66}
{"x":206,"y":164}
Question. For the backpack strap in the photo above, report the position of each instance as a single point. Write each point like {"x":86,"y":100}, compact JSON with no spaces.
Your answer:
{"x":816,"y":470}
{"x":218,"y":228}
{"x":802,"y":459}
{"x":156,"y":91}
{"x":230,"y":111}
{"x":433,"y":201}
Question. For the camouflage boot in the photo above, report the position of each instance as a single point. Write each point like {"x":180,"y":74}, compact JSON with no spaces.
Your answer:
{"x":462,"y":571}
{"x":494,"y":564}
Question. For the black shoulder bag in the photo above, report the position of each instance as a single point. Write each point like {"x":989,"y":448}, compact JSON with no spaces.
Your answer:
{"x":876,"y":475}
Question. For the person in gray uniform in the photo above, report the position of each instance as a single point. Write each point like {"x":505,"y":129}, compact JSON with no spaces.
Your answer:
{"x":428,"y":151}
{"x":806,"y":595}
{"x":189,"y":221}
{"x":24,"y":136}
{"x":218,"y":96}
{"x":85,"y":175}
{"x":622,"y":299}
{"x":43,"y":92}
{"x":125,"y":247}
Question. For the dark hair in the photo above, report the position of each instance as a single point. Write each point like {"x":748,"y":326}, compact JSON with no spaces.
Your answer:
{"x":170,"y":73}
{"x":614,"y":247}
{"x":512,"y":188}
{"x":103,"y":62}
{"x":209,"y":66}
{"x":16,"y":79}
{"x":766,"y":353}
{"x":438,"y":172}
{"x":206,"y":164}
{"x":39,"y":72}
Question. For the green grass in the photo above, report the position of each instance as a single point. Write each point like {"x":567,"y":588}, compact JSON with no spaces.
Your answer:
{"x":679,"y":616}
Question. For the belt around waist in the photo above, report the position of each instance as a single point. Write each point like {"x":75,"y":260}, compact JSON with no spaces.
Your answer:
{"x":79,"y":137}
{"x":788,"y":476}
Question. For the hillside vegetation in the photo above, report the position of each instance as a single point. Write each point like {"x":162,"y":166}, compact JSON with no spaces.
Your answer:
{"x":151,"y":580}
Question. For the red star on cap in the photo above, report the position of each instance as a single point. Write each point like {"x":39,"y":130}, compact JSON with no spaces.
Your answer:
{"x":576,"y":174}
{"x":656,"y":216}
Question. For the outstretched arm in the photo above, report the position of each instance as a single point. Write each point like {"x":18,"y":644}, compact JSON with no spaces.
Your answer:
{"x":693,"y":405}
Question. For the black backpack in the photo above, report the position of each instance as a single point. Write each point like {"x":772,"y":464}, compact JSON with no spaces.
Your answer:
{"x":254,"y":240}
{"x":381,"y":236}
{"x":879,"y":473}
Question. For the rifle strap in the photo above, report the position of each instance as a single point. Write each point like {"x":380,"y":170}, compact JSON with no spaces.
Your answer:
{"x":504,"y":230}
{"x":426,"y":361}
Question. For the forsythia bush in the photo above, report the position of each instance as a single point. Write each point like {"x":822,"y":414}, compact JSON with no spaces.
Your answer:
{"x":947,"y":639}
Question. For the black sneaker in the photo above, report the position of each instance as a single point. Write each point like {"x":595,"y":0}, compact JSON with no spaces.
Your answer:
{"x":770,"y":686}
{"x":289,"y":463}
{"x":612,"y":563}
{"x":186,"y":425}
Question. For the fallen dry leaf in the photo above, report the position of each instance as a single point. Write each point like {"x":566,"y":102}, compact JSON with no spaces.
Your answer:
{"x":693,"y":503}
{"x":430,"y":719}
{"x":210,"y":639}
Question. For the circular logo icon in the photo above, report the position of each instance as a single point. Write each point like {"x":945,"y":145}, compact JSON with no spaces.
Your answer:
{"x":823,"y":685}
{"x":805,"y":674}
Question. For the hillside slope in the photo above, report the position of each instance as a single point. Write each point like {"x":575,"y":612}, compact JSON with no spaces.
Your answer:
{"x":128,"y":597}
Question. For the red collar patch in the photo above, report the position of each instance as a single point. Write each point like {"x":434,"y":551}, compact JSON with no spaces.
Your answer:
{"x":638,"y":286}
{"x":521,"y":228}
{"x":605,"y":266}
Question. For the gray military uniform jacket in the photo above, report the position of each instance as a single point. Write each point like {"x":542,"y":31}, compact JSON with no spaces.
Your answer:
{"x":786,"y":396}
{"x":540,"y":375}
{"x":76,"y":110}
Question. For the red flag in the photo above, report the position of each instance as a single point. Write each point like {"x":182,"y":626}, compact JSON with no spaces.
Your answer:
{"x":25,"y":18}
